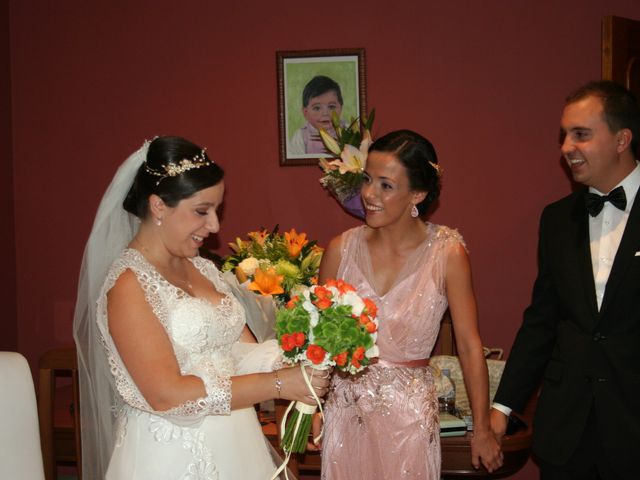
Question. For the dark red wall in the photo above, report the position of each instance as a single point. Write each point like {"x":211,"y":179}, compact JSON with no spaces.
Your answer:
{"x":8,"y":322}
{"x":485,"y":81}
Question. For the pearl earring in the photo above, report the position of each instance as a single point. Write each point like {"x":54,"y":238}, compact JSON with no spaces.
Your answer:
{"x":158,"y":221}
{"x":414,"y":212}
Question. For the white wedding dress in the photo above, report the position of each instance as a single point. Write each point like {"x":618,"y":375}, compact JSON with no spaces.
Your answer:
{"x":183,"y":443}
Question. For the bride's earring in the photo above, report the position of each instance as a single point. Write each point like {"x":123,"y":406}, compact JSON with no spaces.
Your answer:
{"x":414,"y":212}
{"x":158,"y":221}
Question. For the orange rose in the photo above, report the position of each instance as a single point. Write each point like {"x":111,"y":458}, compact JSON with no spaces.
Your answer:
{"x":298,"y":339}
{"x":358,"y":355}
{"x":371,"y":327}
{"x":341,"y":285}
{"x":323,"y":298}
{"x":316,"y":354}
{"x":287,"y":342}
{"x":370,"y":307}
{"x":364,"y":319}
{"x":292,"y":303}
{"x":340,"y":359}
{"x":323,"y":303}
{"x":344,"y":287}
{"x":322,"y":292}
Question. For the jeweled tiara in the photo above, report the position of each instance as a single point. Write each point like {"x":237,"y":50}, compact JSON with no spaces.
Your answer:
{"x":175,"y":169}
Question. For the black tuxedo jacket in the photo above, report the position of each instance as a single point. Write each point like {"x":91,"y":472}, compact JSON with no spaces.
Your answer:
{"x":582,"y":359}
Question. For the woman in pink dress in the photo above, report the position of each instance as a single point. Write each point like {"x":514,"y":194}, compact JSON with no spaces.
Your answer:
{"x":383,"y":423}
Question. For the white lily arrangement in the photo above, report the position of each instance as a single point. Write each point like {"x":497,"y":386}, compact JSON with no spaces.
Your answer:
{"x":343,"y":175}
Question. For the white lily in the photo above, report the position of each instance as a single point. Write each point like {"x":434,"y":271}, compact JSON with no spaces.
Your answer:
{"x":351,"y":160}
{"x":365,"y":144}
{"x":354,"y":159}
{"x":330,"y":142}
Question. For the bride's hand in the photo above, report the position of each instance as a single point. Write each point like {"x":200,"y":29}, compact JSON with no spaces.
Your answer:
{"x":294,"y":387}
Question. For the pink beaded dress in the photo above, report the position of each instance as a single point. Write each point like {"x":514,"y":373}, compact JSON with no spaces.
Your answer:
{"x":383,"y":423}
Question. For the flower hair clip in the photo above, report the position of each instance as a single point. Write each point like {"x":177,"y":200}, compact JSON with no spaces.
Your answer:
{"x":175,"y":169}
{"x":439,"y":170}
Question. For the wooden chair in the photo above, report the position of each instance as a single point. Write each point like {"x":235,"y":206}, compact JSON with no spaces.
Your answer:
{"x":20,"y":455}
{"x":58,"y":410}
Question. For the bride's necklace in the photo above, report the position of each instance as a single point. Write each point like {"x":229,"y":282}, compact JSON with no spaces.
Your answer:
{"x":182,"y":280}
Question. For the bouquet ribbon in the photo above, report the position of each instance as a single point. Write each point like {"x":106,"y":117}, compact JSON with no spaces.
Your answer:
{"x":303,"y":409}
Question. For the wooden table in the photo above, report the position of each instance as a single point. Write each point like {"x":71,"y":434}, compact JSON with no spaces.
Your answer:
{"x":456,"y":451}
{"x":456,"y":456}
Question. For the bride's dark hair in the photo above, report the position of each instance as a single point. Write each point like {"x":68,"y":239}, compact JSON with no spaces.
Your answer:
{"x":170,"y":151}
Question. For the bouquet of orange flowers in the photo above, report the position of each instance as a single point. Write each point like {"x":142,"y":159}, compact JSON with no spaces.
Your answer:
{"x":275,"y":264}
{"x":324,"y":326}
{"x":269,"y":268}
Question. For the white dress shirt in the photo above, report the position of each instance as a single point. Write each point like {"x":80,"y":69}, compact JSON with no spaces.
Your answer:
{"x":605,"y":231}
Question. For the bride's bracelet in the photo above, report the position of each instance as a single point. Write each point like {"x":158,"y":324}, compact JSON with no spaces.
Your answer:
{"x":278,"y":383}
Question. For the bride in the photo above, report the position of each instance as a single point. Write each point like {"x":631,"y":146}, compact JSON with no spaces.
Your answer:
{"x":168,"y":378}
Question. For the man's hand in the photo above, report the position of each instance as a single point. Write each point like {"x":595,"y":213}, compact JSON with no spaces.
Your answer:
{"x":498,"y":422}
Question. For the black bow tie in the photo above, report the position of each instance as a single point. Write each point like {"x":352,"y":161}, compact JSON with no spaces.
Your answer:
{"x":595,"y":202}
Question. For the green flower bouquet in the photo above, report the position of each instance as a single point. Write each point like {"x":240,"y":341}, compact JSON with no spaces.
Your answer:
{"x":325,"y":326}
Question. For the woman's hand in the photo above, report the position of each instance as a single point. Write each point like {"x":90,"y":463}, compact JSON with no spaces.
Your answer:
{"x":485,"y":450}
{"x":316,"y":428}
{"x":293,"y":386}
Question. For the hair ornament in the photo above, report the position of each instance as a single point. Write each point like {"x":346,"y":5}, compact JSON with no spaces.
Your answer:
{"x":175,"y":169}
{"x":437,"y":168}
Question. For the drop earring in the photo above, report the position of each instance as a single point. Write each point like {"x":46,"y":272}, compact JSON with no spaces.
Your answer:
{"x":414,"y":212}
{"x":158,"y":221}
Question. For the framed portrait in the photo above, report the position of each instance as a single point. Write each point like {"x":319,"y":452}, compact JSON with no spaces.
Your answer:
{"x":312,"y":84}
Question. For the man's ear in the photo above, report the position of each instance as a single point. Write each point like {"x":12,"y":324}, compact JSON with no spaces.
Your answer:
{"x":157,"y":206}
{"x":623,"y":139}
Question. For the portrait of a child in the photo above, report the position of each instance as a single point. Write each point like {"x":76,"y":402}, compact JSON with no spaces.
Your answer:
{"x":320,"y":98}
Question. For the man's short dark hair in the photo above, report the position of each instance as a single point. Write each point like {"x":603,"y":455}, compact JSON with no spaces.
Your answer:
{"x":620,"y":106}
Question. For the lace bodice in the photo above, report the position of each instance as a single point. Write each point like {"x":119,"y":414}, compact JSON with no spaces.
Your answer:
{"x":202,"y":335}
{"x":410,"y":312}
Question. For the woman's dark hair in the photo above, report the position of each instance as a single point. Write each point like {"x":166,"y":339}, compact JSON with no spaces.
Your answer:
{"x":166,"y":151}
{"x":419,"y":158}
{"x":320,"y":85}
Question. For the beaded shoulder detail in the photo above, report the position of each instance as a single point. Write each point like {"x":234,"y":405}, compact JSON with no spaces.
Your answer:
{"x":447,"y":235}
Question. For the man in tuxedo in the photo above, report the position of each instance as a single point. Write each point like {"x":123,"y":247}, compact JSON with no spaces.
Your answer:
{"x":580,"y":337}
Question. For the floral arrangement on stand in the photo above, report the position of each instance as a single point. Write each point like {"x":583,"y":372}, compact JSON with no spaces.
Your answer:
{"x":325,"y":326}
{"x":270,"y":268}
{"x":343,"y":175}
